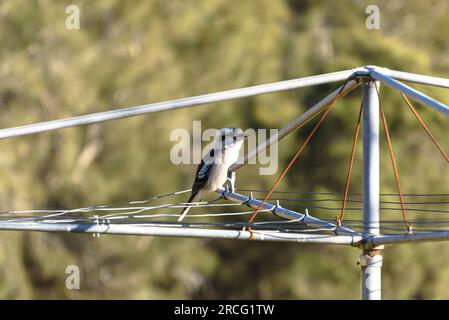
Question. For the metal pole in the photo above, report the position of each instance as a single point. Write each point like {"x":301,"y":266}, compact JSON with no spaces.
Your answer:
{"x":180,"y":231}
{"x":371,"y":259}
{"x":296,"y":123}
{"x":176,"y":104}
{"x":285,"y":213}
{"x":413,"y":77}
{"x":413,"y":93}
{"x":406,"y":238}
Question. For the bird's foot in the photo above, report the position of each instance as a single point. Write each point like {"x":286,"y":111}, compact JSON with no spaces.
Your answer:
{"x":230,"y":182}
{"x":229,"y":187}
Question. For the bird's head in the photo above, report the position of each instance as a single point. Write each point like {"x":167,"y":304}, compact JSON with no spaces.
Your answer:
{"x":230,"y":136}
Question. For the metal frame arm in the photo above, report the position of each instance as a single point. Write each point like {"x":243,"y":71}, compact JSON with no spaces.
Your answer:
{"x":175,"y":104}
{"x":286,"y":213}
{"x":416,"y":78}
{"x":297,"y":123}
{"x":176,"y":231}
{"x":411,"y":92}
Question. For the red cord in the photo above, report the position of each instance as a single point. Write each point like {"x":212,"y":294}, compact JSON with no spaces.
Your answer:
{"x":395,"y":169}
{"x":284,"y":172}
{"x":351,"y":162}
{"x":425,"y":127}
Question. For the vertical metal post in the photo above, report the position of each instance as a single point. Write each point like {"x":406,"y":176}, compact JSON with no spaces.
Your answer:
{"x":371,"y":259}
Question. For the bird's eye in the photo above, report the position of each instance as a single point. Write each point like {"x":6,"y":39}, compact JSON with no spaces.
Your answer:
{"x":235,"y":139}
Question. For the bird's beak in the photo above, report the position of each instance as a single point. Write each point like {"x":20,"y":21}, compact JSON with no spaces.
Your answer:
{"x":243,"y":135}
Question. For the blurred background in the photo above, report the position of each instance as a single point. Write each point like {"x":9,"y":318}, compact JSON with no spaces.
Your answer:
{"x":134,"y":52}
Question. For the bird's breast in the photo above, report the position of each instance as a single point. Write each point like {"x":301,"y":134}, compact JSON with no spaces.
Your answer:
{"x":218,"y":176}
{"x":219,"y":171}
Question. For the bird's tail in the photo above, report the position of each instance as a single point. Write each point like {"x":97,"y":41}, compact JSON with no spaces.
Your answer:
{"x":195,"y":197}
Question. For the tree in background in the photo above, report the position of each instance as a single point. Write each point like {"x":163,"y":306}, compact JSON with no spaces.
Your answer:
{"x":129,"y":53}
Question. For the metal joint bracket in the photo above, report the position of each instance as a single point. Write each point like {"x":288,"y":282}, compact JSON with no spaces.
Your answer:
{"x":367,"y":260}
{"x":246,"y":202}
{"x":306,"y":215}
{"x":277,"y":206}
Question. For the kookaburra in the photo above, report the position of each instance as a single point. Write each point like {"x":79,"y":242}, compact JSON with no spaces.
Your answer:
{"x":213,"y":172}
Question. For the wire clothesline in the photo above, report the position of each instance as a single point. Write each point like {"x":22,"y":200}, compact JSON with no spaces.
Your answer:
{"x":130,"y":220}
{"x":223,"y":218}
{"x":130,"y":212}
{"x":341,"y":193}
{"x":135,"y":213}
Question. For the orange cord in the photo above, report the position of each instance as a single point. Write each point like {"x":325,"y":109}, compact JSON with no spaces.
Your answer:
{"x":284,"y":172}
{"x":425,"y":127}
{"x":351,"y":162}
{"x":395,"y":169}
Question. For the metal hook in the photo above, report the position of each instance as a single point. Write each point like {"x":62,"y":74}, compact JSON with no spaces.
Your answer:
{"x":246,"y":202}
{"x":306,"y":215}
{"x":277,"y":206}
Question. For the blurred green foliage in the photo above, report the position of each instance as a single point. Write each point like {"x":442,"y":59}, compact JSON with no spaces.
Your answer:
{"x":133,"y":52}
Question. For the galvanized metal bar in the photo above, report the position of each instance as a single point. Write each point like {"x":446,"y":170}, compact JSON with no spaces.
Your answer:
{"x":371,"y":165}
{"x":371,"y":261}
{"x":415,"y":78}
{"x":286,"y":213}
{"x":181,"y":231}
{"x":373,"y":241}
{"x":174,"y":104}
{"x":409,"y":91}
{"x":296,"y":123}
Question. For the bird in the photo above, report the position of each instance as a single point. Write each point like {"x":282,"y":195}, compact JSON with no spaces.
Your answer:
{"x":213,"y":171}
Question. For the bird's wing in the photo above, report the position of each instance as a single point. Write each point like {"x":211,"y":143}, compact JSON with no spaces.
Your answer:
{"x":202,"y":173}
